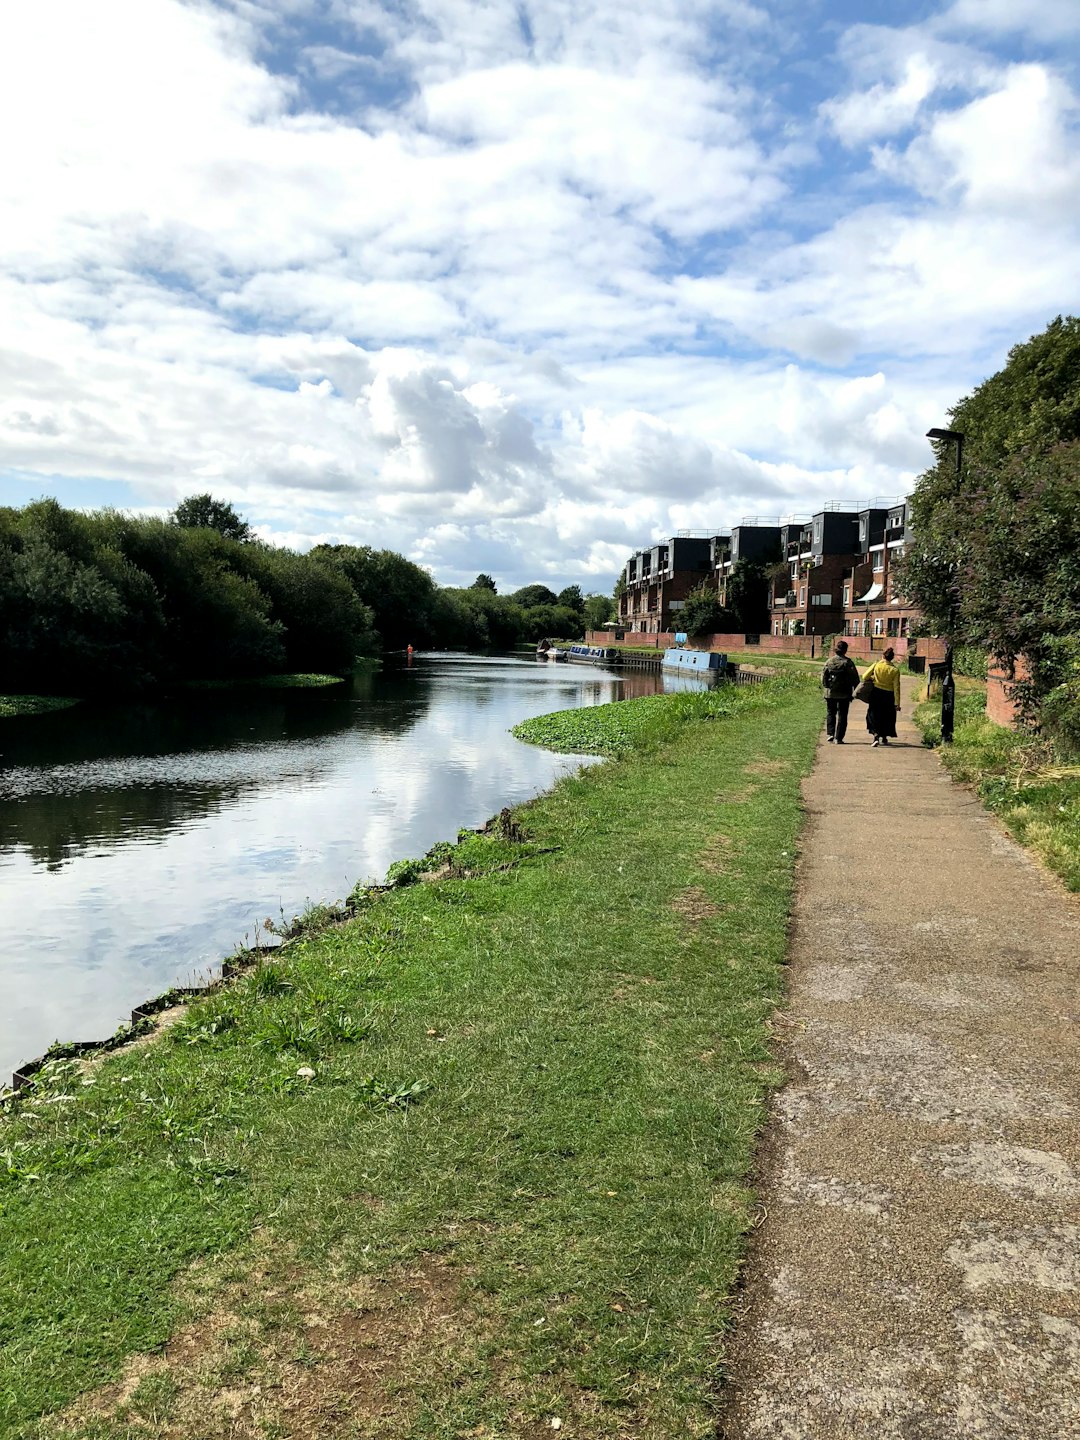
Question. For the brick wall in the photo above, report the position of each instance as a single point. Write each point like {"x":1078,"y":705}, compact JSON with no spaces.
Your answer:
{"x":860,"y":647}
{"x":1000,"y":706}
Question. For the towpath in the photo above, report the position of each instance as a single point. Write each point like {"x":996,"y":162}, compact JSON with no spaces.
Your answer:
{"x":917,"y":1273}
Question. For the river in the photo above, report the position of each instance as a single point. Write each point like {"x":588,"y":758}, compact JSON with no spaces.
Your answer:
{"x":141,"y":844}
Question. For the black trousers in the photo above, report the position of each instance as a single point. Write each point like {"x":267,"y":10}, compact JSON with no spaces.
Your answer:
{"x":836,"y":717}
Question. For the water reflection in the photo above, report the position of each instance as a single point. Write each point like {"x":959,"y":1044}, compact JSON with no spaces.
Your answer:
{"x":138,"y":846}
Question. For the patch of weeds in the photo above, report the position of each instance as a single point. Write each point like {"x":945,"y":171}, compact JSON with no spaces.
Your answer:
{"x":373,"y":1091}
{"x":206,"y":1169}
{"x":1018,"y":776}
{"x":12,"y":705}
{"x":154,"y":1398}
{"x":268,"y":980}
{"x":404,"y":872}
{"x":208,"y":1022}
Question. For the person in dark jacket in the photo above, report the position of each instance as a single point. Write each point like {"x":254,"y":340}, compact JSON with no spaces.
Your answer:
{"x":839,"y":677}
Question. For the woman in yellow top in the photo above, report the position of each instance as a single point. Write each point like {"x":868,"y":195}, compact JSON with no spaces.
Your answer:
{"x":884,"y":703}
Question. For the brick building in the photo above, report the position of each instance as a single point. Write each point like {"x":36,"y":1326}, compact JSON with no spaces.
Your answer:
{"x":873,"y":606}
{"x":658,"y":580}
{"x":808,"y":596}
{"x":755,"y":540}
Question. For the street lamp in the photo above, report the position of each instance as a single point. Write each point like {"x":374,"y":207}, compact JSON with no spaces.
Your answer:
{"x":948,"y":684}
{"x":954,"y":437}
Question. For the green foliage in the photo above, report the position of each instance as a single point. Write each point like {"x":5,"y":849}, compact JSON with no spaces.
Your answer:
{"x":530,"y":596}
{"x":748,"y":596}
{"x":1031,"y":404}
{"x":970,"y":660}
{"x":484,"y":582}
{"x":33,"y":704}
{"x":200,"y":512}
{"x":572,"y":599}
{"x":1059,"y":712}
{"x":401,"y":596}
{"x":703,"y":614}
{"x":599,"y":609}
{"x":1018,"y":776}
{"x":626,"y":726}
{"x":995,"y":560}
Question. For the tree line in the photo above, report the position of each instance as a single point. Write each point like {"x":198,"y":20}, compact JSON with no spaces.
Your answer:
{"x":995,"y":560}
{"x":101,"y":601}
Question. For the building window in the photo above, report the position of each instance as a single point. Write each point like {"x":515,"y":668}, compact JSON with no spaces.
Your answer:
{"x":877,"y":626}
{"x":776,"y":627}
{"x":802,"y":594}
{"x":847,"y":595}
{"x":903,"y":626}
{"x":879,"y":562}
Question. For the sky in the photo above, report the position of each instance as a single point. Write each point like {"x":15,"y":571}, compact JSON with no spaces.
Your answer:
{"x":518,"y":286}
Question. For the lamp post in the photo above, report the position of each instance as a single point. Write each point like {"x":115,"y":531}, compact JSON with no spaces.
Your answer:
{"x":948,"y":684}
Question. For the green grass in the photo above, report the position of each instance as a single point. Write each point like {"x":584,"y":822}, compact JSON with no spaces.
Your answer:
{"x":266,"y":682}
{"x":34,"y":704}
{"x":509,"y":1109}
{"x":1016,"y":775}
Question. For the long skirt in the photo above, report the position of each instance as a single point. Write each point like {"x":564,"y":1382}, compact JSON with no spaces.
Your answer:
{"x":881,"y":713}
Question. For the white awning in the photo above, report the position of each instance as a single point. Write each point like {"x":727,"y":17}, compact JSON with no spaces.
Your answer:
{"x":874,"y":593}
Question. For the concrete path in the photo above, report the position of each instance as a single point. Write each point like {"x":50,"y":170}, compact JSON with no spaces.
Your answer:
{"x":917,"y":1275}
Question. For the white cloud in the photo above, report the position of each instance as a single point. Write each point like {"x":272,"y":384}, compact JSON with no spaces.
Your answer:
{"x":581,"y":282}
{"x":884,"y":108}
{"x":1046,"y":20}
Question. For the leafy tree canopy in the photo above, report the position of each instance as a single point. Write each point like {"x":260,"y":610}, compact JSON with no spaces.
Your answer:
{"x":484,"y":582}
{"x":572,"y":598}
{"x":203,"y":512}
{"x":530,"y":595}
{"x":704,"y":615}
{"x":992,"y":560}
{"x":599,"y":609}
{"x":748,"y":595}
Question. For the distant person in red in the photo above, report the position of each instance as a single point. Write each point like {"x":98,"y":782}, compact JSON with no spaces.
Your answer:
{"x":884,"y":704}
{"x":839,"y":677}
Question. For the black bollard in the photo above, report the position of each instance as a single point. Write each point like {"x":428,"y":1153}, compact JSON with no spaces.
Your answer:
{"x":948,"y":706}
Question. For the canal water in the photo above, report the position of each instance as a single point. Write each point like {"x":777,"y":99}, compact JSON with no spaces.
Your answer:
{"x":140,"y":845}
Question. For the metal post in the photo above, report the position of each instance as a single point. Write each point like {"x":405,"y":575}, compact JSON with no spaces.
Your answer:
{"x":948,"y":698}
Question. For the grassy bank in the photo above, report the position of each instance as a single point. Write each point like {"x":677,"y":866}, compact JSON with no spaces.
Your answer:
{"x":1016,"y":775}
{"x":469,"y":1163}
{"x":267,"y":682}
{"x":34,"y":704}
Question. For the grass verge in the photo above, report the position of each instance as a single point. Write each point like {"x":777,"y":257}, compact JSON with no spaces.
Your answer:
{"x":469,"y":1163}
{"x":34,"y":704}
{"x":1017,"y":776}
{"x":266,"y":682}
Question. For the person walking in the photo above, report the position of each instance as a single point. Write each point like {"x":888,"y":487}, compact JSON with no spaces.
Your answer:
{"x":884,"y":703}
{"x":839,"y":677}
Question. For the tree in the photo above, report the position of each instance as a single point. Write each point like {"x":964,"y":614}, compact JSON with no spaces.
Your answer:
{"x":484,"y":582}
{"x":748,"y":596}
{"x":203,"y":512}
{"x":401,"y":595}
{"x":530,"y":595}
{"x":702,"y":614}
{"x":572,"y":598}
{"x":990,"y":561}
{"x":599,"y":609}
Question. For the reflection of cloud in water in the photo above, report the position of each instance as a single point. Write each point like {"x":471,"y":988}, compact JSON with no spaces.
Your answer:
{"x":159,"y":880}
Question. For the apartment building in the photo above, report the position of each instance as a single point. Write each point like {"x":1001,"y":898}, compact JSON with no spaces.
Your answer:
{"x":873,"y":605}
{"x":756,"y":540}
{"x":819,"y":554}
{"x":657,"y":580}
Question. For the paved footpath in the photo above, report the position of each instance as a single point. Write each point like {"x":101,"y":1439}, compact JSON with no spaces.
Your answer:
{"x":917,"y":1274}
